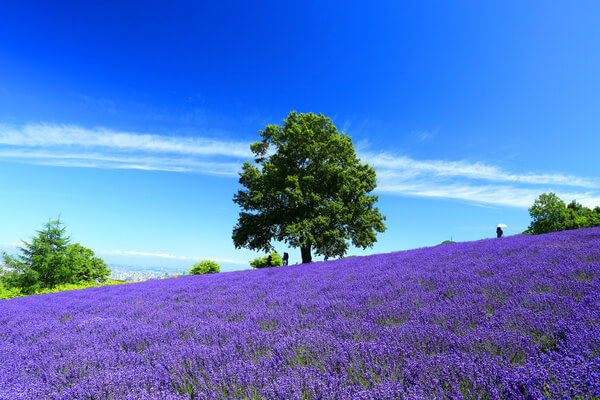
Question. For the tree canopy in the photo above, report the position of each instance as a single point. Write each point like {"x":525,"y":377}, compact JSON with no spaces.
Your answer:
{"x":268,"y":261}
{"x":205,"y":267}
{"x":50,"y":260}
{"x":308,"y":189}
{"x":550,"y":214}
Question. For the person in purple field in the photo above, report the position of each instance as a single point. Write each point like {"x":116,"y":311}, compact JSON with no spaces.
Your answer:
{"x":499,"y":232}
{"x":285,"y":259}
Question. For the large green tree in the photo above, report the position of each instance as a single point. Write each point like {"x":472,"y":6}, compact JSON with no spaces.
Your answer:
{"x":50,"y":260}
{"x":308,"y":189}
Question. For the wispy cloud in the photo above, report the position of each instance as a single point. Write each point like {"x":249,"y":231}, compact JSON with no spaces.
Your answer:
{"x":476,"y":182}
{"x":128,"y":253}
{"x":153,"y":162}
{"x":487,"y":194}
{"x":142,"y":254}
{"x":423,"y":136}
{"x":13,"y":244}
{"x":47,"y":135}
{"x":74,"y":146}
{"x":401,"y":166}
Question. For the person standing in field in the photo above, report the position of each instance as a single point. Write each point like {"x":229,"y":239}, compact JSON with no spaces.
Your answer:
{"x":499,"y":232}
{"x":285,"y":258}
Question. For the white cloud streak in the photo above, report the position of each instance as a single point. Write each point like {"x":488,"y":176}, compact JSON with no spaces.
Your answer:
{"x":73,"y":146}
{"x":142,"y":254}
{"x":128,"y":253}
{"x":476,"y":182}
{"x":47,"y":135}
{"x":13,"y":244}
{"x":391,"y":166}
{"x":122,"y":161}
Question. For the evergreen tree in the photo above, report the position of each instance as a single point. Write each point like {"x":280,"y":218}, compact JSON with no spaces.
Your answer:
{"x":50,"y":260}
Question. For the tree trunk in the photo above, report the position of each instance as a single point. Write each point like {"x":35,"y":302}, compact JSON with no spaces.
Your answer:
{"x":306,"y":256}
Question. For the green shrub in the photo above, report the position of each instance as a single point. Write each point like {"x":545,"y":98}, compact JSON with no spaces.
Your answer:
{"x":205,"y":267}
{"x":263,"y":262}
{"x":447,"y":242}
{"x":8,"y":293}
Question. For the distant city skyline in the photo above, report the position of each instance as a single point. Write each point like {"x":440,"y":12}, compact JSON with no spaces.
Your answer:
{"x":131,"y":123}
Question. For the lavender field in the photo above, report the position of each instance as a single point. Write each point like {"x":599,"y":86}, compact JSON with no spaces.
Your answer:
{"x":516,"y":317}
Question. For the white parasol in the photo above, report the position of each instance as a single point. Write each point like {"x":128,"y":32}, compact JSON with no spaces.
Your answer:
{"x":501,"y":226}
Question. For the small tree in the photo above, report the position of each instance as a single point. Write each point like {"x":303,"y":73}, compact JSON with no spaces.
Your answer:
{"x":270,"y":260}
{"x":84,"y":266}
{"x":49,"y":260}
{"x":308,"y":189}
{"x":548,"y":214}
{"x":551,"y":214}
{"x":42,"y":261}
{"x":205,"y":267}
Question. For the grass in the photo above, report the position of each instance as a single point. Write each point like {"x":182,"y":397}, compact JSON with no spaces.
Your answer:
{"x":9,"y":293}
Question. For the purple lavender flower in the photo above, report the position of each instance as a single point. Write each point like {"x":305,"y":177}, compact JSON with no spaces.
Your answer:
{"x":516,"y":318}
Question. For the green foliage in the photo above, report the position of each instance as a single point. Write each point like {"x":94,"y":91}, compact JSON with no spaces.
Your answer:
{"x":264,"y":262}
{"x":548,"y":214}
{"x":81,"y":285}
{"x":551,"y":214}
{"x":49,"y":260}
{"x":83,"y":266}
{"x":307,"y":189}
{"x":205,"y":267}
{"x":6,"y":293}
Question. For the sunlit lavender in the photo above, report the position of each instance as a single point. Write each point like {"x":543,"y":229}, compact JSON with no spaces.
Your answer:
{"x":515,"y":317}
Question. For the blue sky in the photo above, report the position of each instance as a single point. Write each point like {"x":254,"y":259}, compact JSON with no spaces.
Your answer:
{"x":130,"y":120}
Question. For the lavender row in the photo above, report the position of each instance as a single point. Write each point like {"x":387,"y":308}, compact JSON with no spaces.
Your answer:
{"x":515,"y":317}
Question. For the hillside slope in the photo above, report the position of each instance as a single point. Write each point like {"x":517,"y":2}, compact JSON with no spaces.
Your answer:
{"x":515,"y":317}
